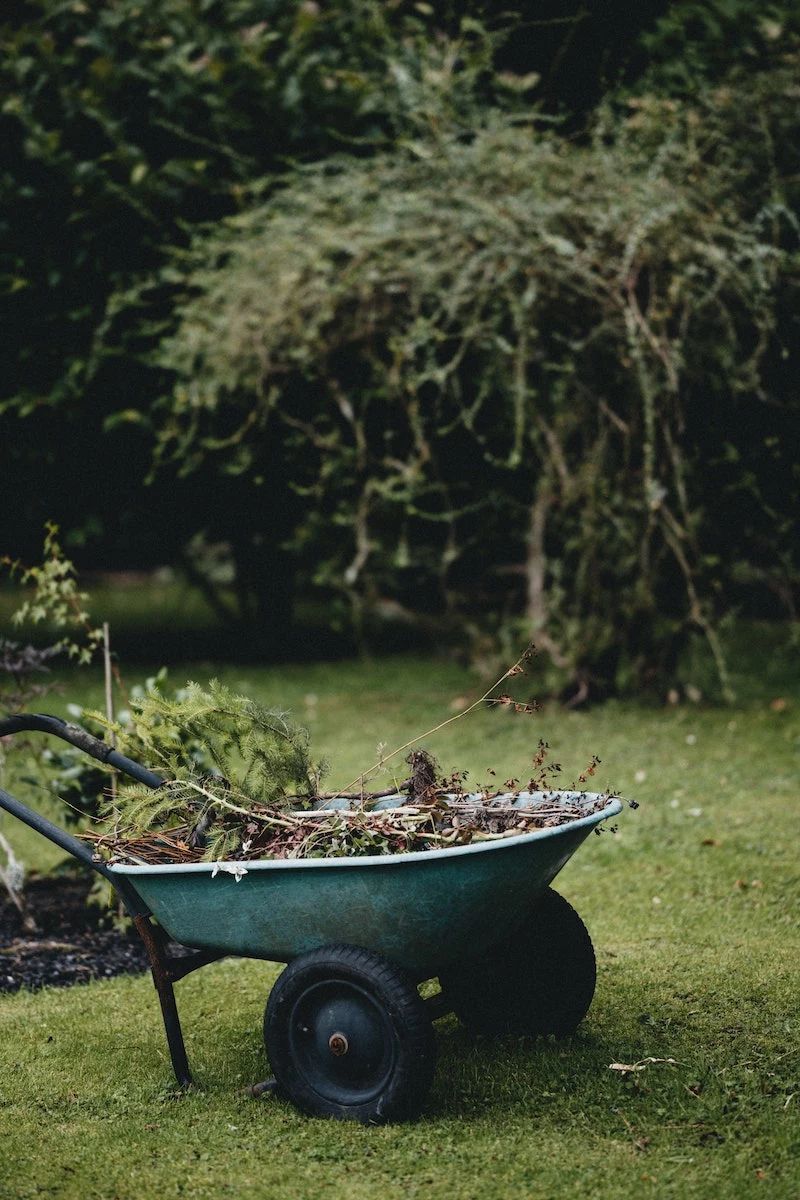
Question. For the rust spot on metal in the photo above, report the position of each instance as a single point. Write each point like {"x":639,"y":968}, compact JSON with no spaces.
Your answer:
{"x":338,"y":1044}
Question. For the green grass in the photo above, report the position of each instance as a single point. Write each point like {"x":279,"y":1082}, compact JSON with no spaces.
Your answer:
{"x":694,"y":909}
{"x":137,"y":604}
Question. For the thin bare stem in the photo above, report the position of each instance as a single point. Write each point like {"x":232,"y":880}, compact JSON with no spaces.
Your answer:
{"x":516,"y":669}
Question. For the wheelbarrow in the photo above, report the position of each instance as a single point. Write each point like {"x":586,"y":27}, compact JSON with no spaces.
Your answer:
{"x":346,"y":1030}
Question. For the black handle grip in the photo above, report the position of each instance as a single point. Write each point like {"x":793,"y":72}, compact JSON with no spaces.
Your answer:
{"x":45,"y":723}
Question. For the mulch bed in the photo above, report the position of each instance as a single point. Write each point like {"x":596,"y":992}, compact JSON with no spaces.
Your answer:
{"x":69,"y":945}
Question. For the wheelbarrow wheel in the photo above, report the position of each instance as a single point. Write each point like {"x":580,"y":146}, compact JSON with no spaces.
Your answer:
{"x":348,"y":1036}
{"x":540,"y":980}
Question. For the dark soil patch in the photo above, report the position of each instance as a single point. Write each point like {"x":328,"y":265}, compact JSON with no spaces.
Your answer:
{"x":69,"y":945}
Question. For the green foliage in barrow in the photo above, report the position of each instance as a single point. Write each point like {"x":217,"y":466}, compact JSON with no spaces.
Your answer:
{"x":218,"y":733}
{"x":219,"y":751}
{"x":512,"y":371}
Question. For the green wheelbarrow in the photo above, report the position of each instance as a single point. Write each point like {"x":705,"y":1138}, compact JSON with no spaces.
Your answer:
{"x":346,"y":1030}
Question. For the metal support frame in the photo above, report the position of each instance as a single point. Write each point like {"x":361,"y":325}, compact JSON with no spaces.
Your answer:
{"x":166,"y":971}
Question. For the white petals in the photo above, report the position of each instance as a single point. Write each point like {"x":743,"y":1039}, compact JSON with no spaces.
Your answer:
{"x":236,"y":869}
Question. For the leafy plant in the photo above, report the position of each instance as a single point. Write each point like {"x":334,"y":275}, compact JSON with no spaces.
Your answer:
{"x":254,"y":748}
{"x":697,"y":42}
{"x":219,"y":753}
{"x":56,"y":601}
{"x":505,"y":370}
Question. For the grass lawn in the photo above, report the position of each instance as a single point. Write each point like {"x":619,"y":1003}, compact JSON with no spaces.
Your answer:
{"x":694,"y":909}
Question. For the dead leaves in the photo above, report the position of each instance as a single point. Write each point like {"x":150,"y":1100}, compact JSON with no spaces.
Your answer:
{"x":641,"y":1065}
{"x":515,"y":705}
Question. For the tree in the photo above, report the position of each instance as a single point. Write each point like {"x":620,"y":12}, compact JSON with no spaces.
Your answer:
{"x":126,"y":125}
{"x":145,"y":123}
{"x":504,"y":367}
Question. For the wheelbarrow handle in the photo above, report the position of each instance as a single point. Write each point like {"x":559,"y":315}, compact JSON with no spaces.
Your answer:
{"x":44,"y":723}
{"x":54,"y":833}
{"x":164,"y":969}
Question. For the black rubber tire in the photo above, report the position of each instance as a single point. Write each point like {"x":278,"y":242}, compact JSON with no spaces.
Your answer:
{"x":348,"y":1036}
{"x":540,"y":980}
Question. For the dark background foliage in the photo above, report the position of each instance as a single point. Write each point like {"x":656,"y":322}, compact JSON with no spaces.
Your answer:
{"x":129,"y":127}
{"x":125,"y":124}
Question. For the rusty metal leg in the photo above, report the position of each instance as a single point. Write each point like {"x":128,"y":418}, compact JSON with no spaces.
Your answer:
{"x":166,"y":995}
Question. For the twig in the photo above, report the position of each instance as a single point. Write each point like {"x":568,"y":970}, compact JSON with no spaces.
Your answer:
{"x":516,"y":669}
{"x":109,"y":700}
{"x":391,"y":791}
{"x":396,"y":830}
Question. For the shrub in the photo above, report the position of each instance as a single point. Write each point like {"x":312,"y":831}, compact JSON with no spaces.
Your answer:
{"x":506,"y":368}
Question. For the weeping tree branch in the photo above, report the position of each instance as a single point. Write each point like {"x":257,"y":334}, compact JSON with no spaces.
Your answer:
{"x":509,"y":322}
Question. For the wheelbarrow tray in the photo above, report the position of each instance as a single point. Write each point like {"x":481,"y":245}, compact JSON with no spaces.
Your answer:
{"x":424,"y":910}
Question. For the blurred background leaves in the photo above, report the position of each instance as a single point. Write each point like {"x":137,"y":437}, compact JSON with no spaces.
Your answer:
{"x":473,"y":324}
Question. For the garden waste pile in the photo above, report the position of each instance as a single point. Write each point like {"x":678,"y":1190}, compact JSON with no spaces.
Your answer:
{"x":239,"y":785}
{"x":264,"y":833}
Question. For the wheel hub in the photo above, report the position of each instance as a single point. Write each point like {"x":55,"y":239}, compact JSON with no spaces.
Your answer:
{"x":342,"y":1041}
{"x":338,"y":1044}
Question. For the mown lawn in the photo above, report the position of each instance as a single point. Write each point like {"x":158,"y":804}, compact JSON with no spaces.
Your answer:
{"x":694,"y":909}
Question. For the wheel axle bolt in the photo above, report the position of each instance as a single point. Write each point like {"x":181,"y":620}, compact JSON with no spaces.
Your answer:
{"x":338,"y":1044}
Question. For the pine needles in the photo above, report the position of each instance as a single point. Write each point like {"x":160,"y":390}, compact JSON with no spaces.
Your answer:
{"x":221,"y":755}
